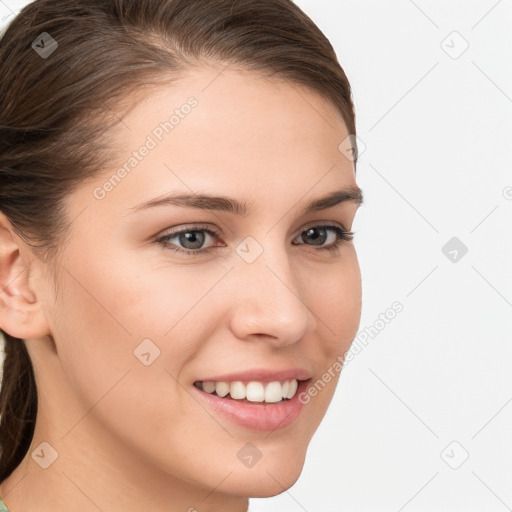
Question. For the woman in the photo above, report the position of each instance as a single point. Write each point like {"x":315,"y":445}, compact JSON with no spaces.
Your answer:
{"x":179,"y":282}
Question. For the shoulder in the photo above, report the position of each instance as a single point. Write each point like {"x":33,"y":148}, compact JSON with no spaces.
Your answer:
{"x":3,"y":508}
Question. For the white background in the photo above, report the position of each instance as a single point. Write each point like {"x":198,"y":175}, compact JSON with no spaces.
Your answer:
{"x":434,"y":386}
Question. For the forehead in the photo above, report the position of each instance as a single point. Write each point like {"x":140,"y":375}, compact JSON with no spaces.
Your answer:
{"x":235,"y":131}
{"x":235,"y":109}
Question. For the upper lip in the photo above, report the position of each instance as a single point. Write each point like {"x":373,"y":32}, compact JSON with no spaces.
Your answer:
{"x":262,"y":375}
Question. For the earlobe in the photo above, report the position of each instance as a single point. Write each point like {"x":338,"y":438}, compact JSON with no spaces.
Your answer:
{"x":21,"y":314}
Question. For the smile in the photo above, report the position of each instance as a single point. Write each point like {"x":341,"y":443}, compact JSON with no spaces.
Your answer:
{"x":254,"y":405}
{"x":253,"y":391}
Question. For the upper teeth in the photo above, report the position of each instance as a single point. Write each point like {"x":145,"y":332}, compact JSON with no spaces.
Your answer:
{"x":254,"y":391}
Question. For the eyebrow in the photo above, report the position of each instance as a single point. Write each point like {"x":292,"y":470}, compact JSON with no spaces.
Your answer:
{"x":230,"y":205}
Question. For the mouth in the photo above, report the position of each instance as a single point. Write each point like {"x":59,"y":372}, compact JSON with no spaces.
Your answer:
{"x":252,"y":391}
{"x":257,"y":405}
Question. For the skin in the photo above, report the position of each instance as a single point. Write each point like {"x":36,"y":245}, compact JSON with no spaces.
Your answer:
{"x":129,"y":436}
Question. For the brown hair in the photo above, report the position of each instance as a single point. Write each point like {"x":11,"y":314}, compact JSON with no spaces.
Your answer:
{"x":56,"y":107}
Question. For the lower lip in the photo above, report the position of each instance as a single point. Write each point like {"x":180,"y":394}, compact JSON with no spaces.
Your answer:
{"x":257,"y":415}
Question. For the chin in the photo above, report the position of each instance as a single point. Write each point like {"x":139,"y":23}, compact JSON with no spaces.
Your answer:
{"x":266,"y":480}
{"x":263,"y":485}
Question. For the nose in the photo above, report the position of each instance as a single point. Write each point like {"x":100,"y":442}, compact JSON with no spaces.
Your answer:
{"x":267,"y":301}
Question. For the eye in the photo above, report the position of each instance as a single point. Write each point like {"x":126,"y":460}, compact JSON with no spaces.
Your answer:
{"x":192,"y":239}
{"x":320,"y":234}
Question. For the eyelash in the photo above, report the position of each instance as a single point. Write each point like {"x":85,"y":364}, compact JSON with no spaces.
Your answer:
{"x":342,"y":235}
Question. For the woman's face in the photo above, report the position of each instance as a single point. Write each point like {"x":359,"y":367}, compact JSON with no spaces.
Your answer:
{"x":135,"y":323}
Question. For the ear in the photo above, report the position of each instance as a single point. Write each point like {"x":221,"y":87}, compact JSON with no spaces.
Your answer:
{"x":21,"y":312}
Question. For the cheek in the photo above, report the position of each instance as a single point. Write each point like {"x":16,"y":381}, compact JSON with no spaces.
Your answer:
{"x":107,"y":383}
{"x":335,"y":299}
{"x":160,"y":299}
{"x":109,"y":317}
{"x":130,"y":301}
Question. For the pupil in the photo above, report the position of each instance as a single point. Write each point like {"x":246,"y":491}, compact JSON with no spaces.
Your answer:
{"x":318,"y":240}
{"x":192,"y":237}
